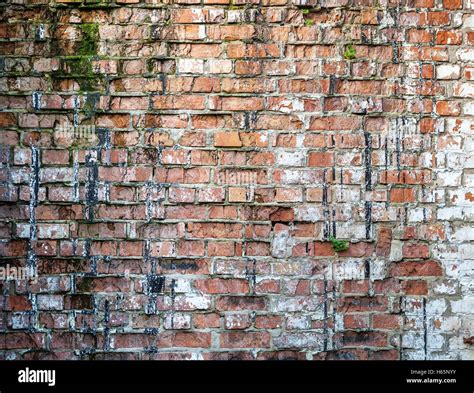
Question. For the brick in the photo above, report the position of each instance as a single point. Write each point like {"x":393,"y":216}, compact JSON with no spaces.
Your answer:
{"x":415,"y":250}
{"x":237,"y":194}
{"x":232,"y":303}
{"x":268,"y":322}
{"x":448,"y":71}
{"x":228,"y":103}
{"x":222,"y":286}
{"x":448,"y":108}
{"x":182,"y":195}
{"x":402,"y":195}
{"x":372,"y":339}
{"x":360,"y":304}
{"x":244,"y":340}
{"x":217,"y":230}
{"x":216,"y":194}
{"x":226,"y":248}
{"x":211,"y":320}
{"x":288,"y":195}
{"x":227,"y":139}
{"x":415,"y":287}
{"x":416,"y":268}
{"x":321,"y":159}
{"x":386,"y":321}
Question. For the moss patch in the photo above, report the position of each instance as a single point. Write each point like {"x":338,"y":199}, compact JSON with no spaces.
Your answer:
{"x":350,"y":52}
{"x":90,"y":37}
{"x":339,"y":245}
{"x":80,"y":68}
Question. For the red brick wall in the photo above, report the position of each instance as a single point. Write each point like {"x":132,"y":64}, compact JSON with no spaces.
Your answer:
{"x":173,"y":174}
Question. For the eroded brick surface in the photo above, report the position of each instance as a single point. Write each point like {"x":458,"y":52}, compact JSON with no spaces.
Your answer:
{"x":172,"y":174}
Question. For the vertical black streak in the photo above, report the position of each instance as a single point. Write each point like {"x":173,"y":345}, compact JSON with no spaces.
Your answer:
{"x":368,"y":219}
{"x":368,"y":161}
{"x":425,"y":330}
{"x":92,"y":192}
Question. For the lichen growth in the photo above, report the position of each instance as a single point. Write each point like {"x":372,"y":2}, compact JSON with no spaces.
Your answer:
{"x":339,"y":245}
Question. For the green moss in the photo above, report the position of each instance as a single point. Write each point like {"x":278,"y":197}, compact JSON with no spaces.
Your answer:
{"x":80,"y":68}
{"x":309,"y":22}
{"x":90,"y":37}
{"x":339,"y":245}
{"x":233,"y":6}
{"x":350,"y":52}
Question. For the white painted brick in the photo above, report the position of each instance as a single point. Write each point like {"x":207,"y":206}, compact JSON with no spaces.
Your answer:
{"x":378,"y":269}
{"x":300,"y":340}
{"x":220,"y":66}
{"x":291,"y":158}
{"x":435,"y":307}
{"x":349,"y":270}
{"x":413,"y":340}
{"x":20,"y":320}
{"x":177,"y":321}
{"x":308,"y":213}
{"x":295,"y":303}
{"x":190,"y":66}
{"x":412,"y":306}
{"x":396,"y":253}
{"x":282,"y":245}
{"x":464,"y":90}
{"x":45,"y":231}
{"x":49,"y":302}
{"x":449,"y":178}
{"x":448,"y":71}
{"x":468,"y":22}
{"x":434,"y":342}
{"x":298,"y":322}
{"x":465,"y":305}
{"x":468,"y":108}
{"x":466,"y":55}
{"x":468,"y":181}
{"x":419,"y":215}
{"x":351,"y":231}
{"x":347,"y":193}
{"x":450,"y":213}
{"x":446,"y":287}
{"x":464,"y":233}
{"x":466,"y":251}
{"x":459,"y":126}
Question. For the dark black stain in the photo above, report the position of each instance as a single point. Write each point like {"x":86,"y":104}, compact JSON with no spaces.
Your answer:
{"x":155,"y":283}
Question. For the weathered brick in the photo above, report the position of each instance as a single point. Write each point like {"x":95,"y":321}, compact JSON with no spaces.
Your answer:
{"x":416,"y":268}
{"x":184,"y":178}
{"x":245,"y":340}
